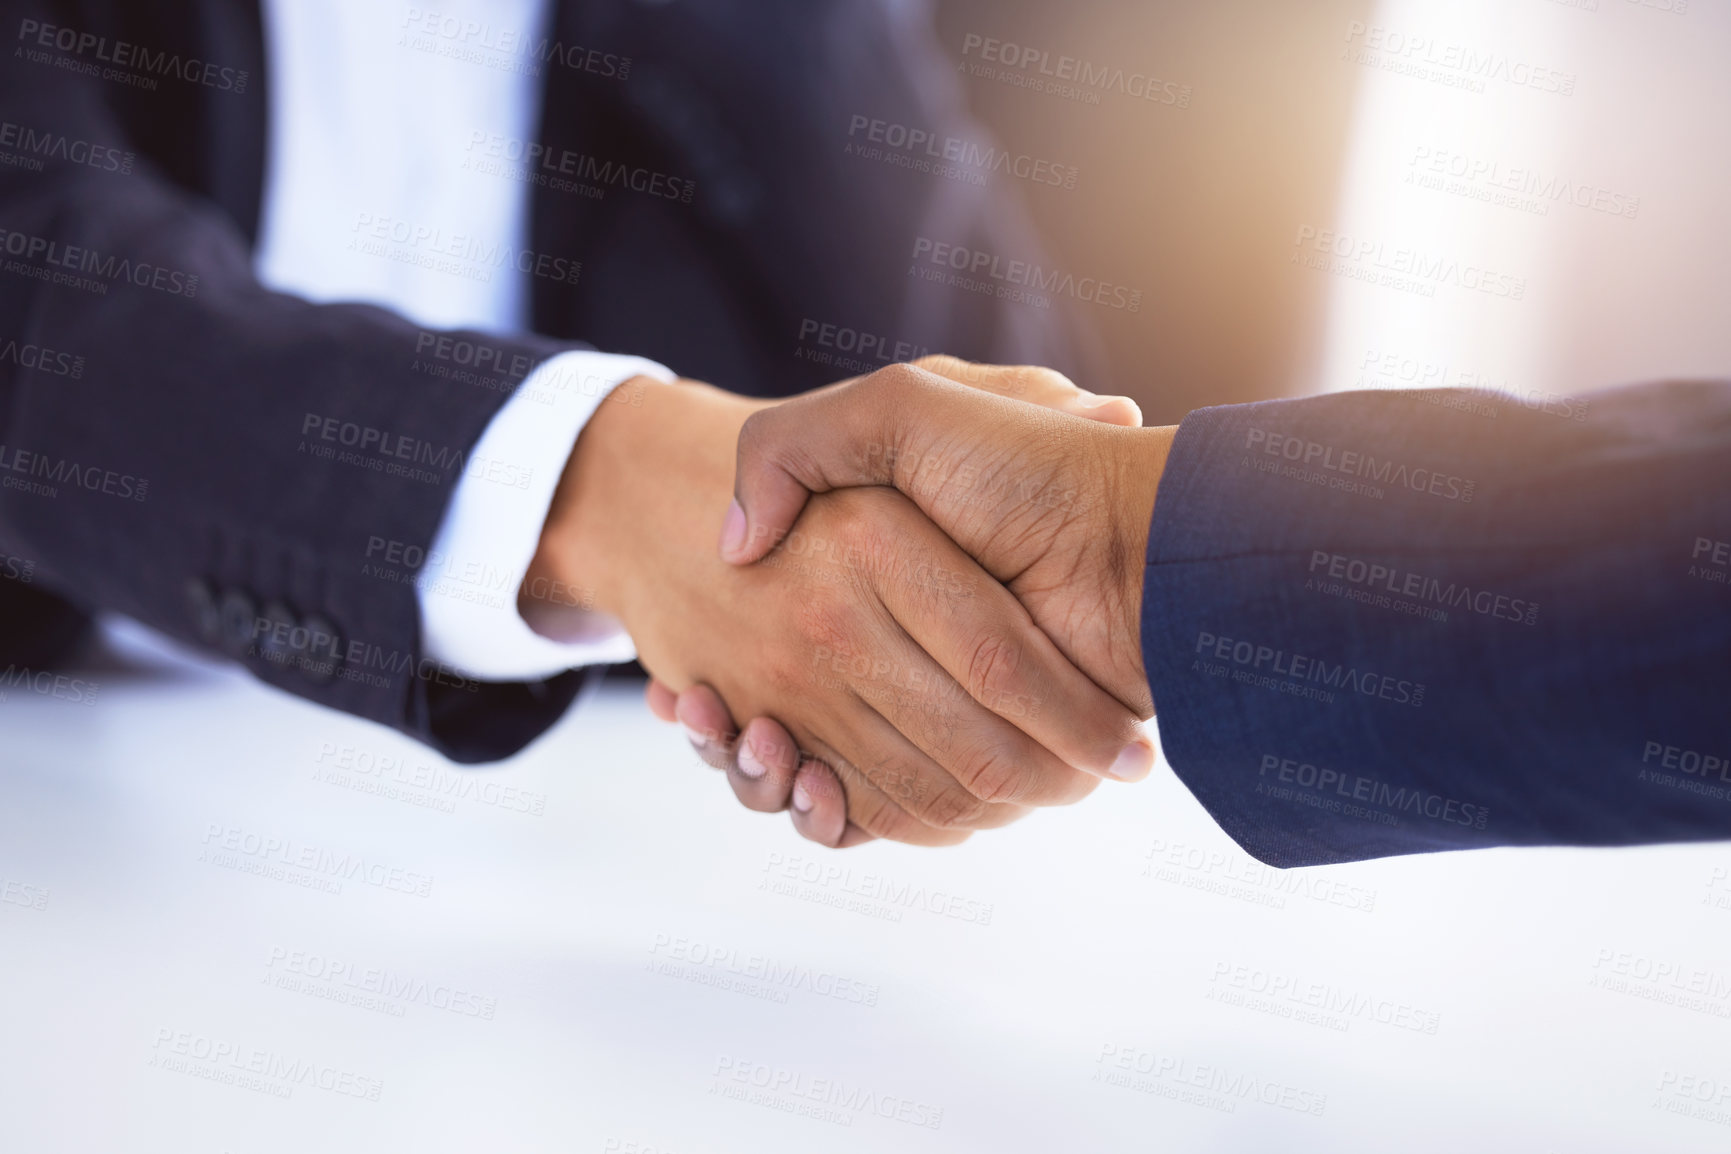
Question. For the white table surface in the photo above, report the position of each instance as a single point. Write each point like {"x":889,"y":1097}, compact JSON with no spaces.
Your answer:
{"x":615,"y":972}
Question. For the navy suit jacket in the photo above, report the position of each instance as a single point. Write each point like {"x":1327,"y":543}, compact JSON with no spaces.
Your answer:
{"x":1395,"y":622}
{"x":153,"y":394}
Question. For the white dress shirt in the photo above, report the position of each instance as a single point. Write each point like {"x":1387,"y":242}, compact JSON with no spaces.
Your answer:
{"x":372,"y":120}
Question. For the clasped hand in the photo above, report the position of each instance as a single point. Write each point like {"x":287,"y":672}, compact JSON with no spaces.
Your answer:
{"x":925,"y":600}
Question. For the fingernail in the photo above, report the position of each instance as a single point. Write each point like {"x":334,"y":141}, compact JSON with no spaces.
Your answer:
{"x":1134,"y":762}
{"x":749,"y":765}
{"x":733,"y":531}
{"x":697,"y":739}
{"x":801,"y":799}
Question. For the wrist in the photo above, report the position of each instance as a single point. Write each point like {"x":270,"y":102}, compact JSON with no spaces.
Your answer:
{"x":651,"y":469}
{"x":1139,"y":468}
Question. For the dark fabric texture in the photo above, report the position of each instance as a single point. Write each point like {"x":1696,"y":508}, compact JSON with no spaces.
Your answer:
{"x":1397,"y":622}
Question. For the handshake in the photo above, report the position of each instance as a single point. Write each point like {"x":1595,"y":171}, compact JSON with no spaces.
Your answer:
{"x":925,"y":604}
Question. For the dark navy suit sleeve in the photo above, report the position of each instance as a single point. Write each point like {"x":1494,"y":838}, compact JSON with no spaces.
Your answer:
{"x":1398,"y":622}
{"x":241,"y":469}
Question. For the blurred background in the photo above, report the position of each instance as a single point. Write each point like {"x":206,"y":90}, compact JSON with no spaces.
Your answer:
{"x":1194,"y":204}
{"x":1577,"y":148}
{"x":592,"y":948}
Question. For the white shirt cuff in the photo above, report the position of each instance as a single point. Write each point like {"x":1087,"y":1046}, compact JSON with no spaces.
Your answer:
{"x":492,"y":527}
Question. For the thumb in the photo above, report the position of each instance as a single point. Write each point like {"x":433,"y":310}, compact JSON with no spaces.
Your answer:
{"x":852,"y":433}
{"x":838,"y":437}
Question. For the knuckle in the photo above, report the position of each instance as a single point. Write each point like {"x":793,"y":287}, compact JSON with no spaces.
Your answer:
{"x":880,"y":818}
{"x":994,"y":666}
{"x":952,"y":808}
{"x":754,"y":434}
{"x":994,"y":775}
{"x":945,"y":365}
{"x":1037,"y":383}
{"x":899,"y":381}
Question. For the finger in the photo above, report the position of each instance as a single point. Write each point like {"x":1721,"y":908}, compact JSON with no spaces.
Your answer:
{"x":708,"y":725}
{"x":1036,"y":385}
{"x":762,"y":771}
{"x":894,"y":789}
{"x":818,"y":804}
{"x":946,"y":807}
{"x":663,"y":702}
{"x":1057,"y":720}
{"x":873,"y":810}
{"x":985,"y":753}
